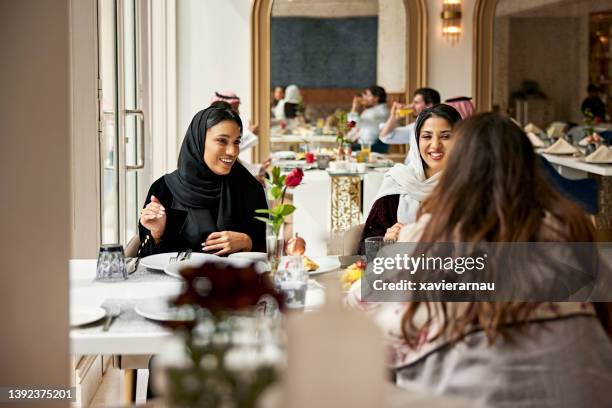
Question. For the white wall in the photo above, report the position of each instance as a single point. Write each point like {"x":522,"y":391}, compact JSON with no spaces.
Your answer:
{"x":391,"y":59}
{"x":450,"y":66}
{"x":214,"y":54}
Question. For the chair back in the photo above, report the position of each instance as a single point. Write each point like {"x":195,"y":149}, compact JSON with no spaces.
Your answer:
{"x":351,"y":240}
{"x":131,"y":249}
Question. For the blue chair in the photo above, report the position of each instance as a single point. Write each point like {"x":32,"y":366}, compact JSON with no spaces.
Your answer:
{"x":607,"y":135}
{"x":582,"y":192}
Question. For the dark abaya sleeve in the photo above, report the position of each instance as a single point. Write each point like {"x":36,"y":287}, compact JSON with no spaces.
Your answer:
{"x":167,"y":244}
{"x":383,"y":215}
{"x":256,"y":229}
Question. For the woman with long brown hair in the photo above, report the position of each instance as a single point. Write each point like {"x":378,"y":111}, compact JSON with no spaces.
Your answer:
{"x":509,"y":354}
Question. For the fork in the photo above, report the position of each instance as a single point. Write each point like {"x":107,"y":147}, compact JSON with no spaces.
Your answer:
{"x":113,"y":312}
{"x":177,"y":257}
{"x":186,"y":255}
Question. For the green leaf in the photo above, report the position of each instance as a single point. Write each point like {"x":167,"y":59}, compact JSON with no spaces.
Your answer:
{"x":287,"y":209}
{"x":262,"y":211}
{"x":275,"y":192}
{"x":266,"y":220}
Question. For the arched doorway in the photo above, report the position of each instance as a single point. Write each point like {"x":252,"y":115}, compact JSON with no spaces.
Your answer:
{"x":416,"y":57}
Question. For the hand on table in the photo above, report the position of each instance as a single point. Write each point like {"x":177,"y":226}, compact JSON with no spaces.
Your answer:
{"x":392,"y":233}
{"x":153,"y":217}
{"x":227,"y":242}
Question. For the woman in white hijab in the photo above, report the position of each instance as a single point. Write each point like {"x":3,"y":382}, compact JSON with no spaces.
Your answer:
{"x":287,"y":108}
{"x":406,"y":185}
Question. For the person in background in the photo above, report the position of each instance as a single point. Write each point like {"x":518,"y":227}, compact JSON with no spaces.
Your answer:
{"x":463,"y":104}
{"x":594,"y":104}
{"x":289,"y":107}
{"x":277,"y":95}
{"x":249,"y":136}
{"x":506,"y":354}
{"x":369,"y":111}
{"x":208,"y":204}
{"x":405,"y":186}
{"x":392,"y":134}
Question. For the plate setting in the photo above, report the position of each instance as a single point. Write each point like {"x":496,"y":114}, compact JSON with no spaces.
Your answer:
{"x":80,"y":316}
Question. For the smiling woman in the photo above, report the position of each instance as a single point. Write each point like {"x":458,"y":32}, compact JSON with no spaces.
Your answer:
{"x":406,"y":185}
{"x":208,"y":203}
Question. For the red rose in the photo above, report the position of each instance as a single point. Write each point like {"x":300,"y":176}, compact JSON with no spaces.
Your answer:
{"x":310,"y":157}
{"x":351,"y":124}
{"x":294,"y":178}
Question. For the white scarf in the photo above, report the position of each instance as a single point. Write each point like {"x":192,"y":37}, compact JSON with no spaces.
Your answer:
{"x":408,"y":180}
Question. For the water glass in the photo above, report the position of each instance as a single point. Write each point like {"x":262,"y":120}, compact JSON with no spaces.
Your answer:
{"x":292,"y":282}
{"x":372,"y":246}
{"x":111,"y":264}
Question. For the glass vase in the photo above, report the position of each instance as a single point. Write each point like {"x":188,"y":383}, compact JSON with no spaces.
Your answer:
{"x":274,"y":248}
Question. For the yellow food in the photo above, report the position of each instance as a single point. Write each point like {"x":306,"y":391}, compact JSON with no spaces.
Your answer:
{"x":309,"y":264}
{"x":352,"y":274}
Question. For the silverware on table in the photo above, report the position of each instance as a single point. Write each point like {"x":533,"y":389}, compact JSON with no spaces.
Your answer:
{"x":181,"y":256}
{"x":132,"y":264}
{"x":112,"y":313}
{"x":176,"y":258}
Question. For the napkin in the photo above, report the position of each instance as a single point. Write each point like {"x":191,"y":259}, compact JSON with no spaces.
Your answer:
{"x":602,"y":155}
{"x":531,"y":128}
{"x":561,"y":146}
{"x":555,"y":130}
{"x":535,"y":141}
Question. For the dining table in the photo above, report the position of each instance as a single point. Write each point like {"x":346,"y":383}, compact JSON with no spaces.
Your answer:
{"x":132,"y":337}
{"x":131,"y":333}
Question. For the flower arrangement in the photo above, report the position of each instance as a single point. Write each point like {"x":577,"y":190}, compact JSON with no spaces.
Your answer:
{"x":588,"y":123}
{"x":344,"y":126}
{"x":218,"y":370}
{"x":277,"y":187}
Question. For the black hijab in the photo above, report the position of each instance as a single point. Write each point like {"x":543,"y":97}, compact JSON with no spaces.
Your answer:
{"x":209,"y":199}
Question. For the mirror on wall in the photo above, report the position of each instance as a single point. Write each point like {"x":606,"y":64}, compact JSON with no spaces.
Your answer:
{"x":545,"y":56}
{"x":323,"y":54}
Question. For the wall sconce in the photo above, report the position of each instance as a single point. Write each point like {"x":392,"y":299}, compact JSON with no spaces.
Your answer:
{"x":451,"y":20}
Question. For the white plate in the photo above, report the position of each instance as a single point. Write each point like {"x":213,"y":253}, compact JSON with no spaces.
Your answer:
{"x":160,"y":261}
{"x":326,"y":264}
{"x":251,"y":256}
{"x":160,"y":310}
{"x":85,"y":315}
{"x":174,"y":268}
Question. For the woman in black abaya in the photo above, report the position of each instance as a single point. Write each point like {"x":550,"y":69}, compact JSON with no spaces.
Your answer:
{"x":208,"y":204}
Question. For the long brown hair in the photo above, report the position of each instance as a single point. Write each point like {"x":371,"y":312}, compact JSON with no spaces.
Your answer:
{"x":492,"y":191}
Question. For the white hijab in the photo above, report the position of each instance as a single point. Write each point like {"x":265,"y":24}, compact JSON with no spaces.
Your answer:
{"x":408,"y":180}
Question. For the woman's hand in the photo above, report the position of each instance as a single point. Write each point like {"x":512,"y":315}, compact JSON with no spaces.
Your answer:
{"x":153,"y":218}
{"x":392,"y":233}
{"x":227,"y":242}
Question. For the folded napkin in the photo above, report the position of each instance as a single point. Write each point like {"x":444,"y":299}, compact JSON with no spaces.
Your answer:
{"x":555,"y":130}
{"x":535,"y":141}
{"x":531,"y":128}
{"x":561,"y":146}
{"x":602,"y":155}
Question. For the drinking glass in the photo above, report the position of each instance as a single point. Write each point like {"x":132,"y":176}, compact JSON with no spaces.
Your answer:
{"x":292,"y":281}
{"x":372,"y":246}
{"x":364,"y":153}
{"x":111,"y":264}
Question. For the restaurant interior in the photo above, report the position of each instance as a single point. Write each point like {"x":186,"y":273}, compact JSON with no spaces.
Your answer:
{"x":197,"y":193}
